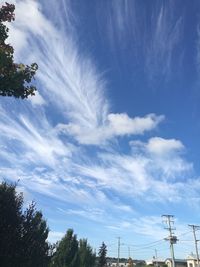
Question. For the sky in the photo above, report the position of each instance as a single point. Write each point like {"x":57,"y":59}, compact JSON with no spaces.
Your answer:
{"x":110,"y":142}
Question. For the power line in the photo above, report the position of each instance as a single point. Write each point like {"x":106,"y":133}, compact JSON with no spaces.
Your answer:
{"x":143,"y":245}
{"x":146,"y":247}
{"x":184,"y":240}
{"x":141,"y":248}
{"x":185,"y":233}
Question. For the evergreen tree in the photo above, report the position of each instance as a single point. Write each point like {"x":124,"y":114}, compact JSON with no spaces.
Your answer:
{"x":86,"y":256}
{"x":10,"y":225}
{"x":70,"y":252}
{"x":14,"y":78}
{"x":35,"y":233}
{"x":102,"y":255}
{"x":23,"y":234}
{"x":66,"y":254}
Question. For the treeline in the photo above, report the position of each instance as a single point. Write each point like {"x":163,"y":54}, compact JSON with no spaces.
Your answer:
{"x":71,"y":252}
{"x":24,"y":233}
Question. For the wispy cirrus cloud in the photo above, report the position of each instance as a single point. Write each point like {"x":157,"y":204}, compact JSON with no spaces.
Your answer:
{"x":162,"y":151}
{"x":35,"y":140}
{"x":70,"y":81}
{"x":38,"y":139}
{"x":155,"y":33}
{"x":148,"y":166}
{"x":166,"y":33}
{"x":95,"y":214}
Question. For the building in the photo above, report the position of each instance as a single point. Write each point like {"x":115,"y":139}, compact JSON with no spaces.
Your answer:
{"x":114,"y":264}
{"x":126,"y":263}
{"x":178,"y":262}
{"x":155,"y":262}
{"x":192,"y":260}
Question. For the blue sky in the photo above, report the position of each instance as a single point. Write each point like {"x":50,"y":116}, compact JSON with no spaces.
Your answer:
{"x":111,"y":140}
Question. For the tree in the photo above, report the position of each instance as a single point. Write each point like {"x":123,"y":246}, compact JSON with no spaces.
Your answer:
{"x":102,"y":255}
{"x":35,"y":233}
{"x":66,"y":254}
{"x":23,"y":234}
{"x":15,"y":78}
{"x":130,"y":262}
{"x":73,"y":253}
{"x":10,"y":225}
{"x":86,"y":256}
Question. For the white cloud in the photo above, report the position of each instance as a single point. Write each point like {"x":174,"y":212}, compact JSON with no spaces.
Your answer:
{"x":74,"y":92}
{"x":68,"y":83}
{"x":125,"y":208}
{"x":161,"y":146}
{"x":161,"y":153}
{"x":115,"y":125}
{"x":121,"y":124}
{"x":37,"y":100}
{"x":148,"y":171}
{"x":70,"y":80}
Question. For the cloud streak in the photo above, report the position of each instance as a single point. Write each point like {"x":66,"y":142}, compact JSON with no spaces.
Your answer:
{"x":68,"y":80}
{"x":154,"y":33}
{"x":64,"y":143}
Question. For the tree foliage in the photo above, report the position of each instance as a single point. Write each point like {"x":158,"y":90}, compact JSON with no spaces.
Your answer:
{"x":73,"y":253}
{"x":10,"y":224}
{"x":87,"y":257}
{"x":66,"y":254}
{"x":102,"y":255}
{"x":15,"y":78}
{"x":35,"y":233}
{"x":23,"y":233}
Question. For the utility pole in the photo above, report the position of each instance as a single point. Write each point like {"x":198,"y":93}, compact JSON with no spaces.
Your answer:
{"x":194,"y":228}
{"x":156,"y":257}
{"x":129,"y":255}
{"x":168,"y":219}
{"x":118,"y":250}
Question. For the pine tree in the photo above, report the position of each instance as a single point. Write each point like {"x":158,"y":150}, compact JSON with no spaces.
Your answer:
{"x":86,"y":256}
{"x":23,"y":234}
{"x":10,"y":225}
{"x":70,"y":252}
{"x":102,"y":255}
{"x":35,"y":233}
{"x":66,"y":254}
